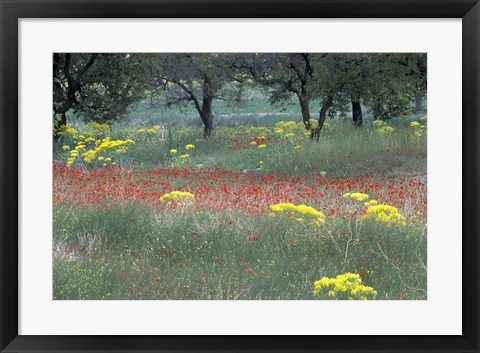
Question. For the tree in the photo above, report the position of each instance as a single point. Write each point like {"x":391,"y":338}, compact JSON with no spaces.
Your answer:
{"x":285,"y":74}
{"x":96,"y":86}
{"x":68,"y":81}
{"x":197,"y":78}
{"x":415,"y":65}
{"x":391,"y":86}
{"x":329,"y":84}
{"x":379,"y":81}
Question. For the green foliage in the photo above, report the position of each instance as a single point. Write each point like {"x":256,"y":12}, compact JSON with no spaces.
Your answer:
{"x":97,"y":87}
{"x":120,"y":253}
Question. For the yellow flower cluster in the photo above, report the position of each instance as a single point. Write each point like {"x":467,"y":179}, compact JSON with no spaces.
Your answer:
{"x":89,"y":156}
{"x":174,"y":151}
{"x":386,"y":214}
{"x":387,"y":129}
{"x":287,"y":124}
{"x":299,"y":212}
{"x":370,"y":203}
{"x":152,"y":130}
{"x":107,"y":144}
{"x":104,"y":145}
{"x":178,"y":196}
{"x":420,"y":130}
{"x":262,"y":145}
{"x":101,"y":127}
{"x":357,"y":196}
{"x":347,"y":286}
{"x":383,"y":127}
{"x":86,"y":141}
{"x":291,"y":128}
{"x":65,"y":130}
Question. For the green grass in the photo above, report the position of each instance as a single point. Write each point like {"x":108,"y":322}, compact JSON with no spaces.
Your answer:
{"x":145,"y":250}
{"x":199,"y":255}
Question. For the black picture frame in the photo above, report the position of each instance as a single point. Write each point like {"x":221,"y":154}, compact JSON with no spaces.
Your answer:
{"x":11,"y":11}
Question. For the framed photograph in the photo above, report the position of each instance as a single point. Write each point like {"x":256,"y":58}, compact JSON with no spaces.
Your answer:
{"x":239,"y":176}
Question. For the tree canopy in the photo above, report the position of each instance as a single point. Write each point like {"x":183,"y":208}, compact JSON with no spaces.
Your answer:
{"x":101,"y":87}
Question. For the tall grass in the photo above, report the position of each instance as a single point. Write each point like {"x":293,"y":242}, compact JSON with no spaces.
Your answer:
{"x":135,"y":253}
{"x":148,"y":250}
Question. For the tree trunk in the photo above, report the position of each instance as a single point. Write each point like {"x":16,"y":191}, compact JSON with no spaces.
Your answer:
{"x":206,"y":114}
{"x":305,"y":108}
{"x":418,"y":104}
{"x":58,"y":97}
{"x":357,"y":113}
{"x":326,"y":104}
{"x":207,"y":119}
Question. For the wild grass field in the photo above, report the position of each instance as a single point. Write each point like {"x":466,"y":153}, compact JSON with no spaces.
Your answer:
{"x":146,"y":208}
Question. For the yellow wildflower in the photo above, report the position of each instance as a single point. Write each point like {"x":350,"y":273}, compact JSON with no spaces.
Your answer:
{"x":89,"y":156}
{"x":298,"y":211}
{"x":357,"y":196}
{"x":370,"y":203}
{"x":386,"y":214}
{"x":178,"y":196}
{"x":345,"y":286}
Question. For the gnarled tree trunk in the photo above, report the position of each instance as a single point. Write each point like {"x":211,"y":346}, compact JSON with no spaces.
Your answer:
{"x":305,"y":108}
{"x":207,"y":119}
{"x":357,"y":113}
{"x":206,"y":113}
{"x":65,"y":99}
{"x":418,"y":103}
{"x":326,"y":104}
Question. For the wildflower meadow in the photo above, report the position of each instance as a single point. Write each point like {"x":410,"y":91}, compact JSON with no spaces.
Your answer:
{"x":256,"y":207}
